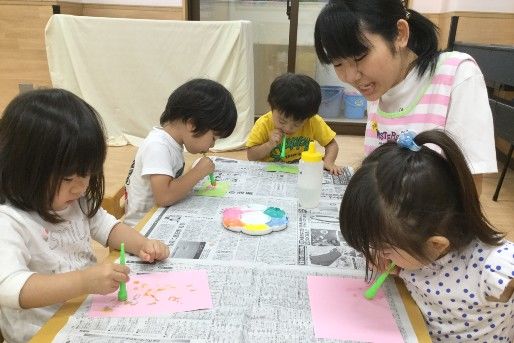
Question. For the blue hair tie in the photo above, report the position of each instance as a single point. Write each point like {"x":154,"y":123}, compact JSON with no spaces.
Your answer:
{"x":406,"y":140}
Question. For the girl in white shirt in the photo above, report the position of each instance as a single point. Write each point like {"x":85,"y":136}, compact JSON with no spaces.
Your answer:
{"x":52,"y":150}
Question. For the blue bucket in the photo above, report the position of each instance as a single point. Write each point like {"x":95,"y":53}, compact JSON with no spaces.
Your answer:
{"x":354,"y":105}
{"x":331,"y":101}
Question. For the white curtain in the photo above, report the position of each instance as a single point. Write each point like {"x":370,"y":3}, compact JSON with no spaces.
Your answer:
{"x":127,"y":68}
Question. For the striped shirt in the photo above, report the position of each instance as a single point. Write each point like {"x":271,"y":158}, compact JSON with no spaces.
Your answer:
{"x":429,"y":106}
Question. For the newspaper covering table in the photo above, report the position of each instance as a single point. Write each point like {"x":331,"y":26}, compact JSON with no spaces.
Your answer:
{"x":258,"y":283}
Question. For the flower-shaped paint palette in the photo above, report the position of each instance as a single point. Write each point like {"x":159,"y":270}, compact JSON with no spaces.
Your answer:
{"x":254,"y":219}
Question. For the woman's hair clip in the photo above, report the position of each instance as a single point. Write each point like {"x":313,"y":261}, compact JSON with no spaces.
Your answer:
{"x":406,"y":140}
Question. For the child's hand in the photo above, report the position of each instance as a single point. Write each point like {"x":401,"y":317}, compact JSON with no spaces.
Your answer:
{"x":275,"y":137}
{"x":154,"y":250}
{"x":105,"y":278}
{"x":333,"y":168}
{"x":204,"y":165}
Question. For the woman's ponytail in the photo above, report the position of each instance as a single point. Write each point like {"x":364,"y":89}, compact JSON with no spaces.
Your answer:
{"x":423,"y":41}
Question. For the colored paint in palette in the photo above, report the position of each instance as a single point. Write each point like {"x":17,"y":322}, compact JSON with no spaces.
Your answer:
{"x":254,"y":219}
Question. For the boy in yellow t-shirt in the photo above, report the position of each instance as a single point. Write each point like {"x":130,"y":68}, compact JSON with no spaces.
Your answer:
{"x":294,"y":101}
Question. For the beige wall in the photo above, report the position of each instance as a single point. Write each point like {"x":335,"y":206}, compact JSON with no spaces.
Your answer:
{"x":22,"y":48}
{"x":136,"y":12}
{"x":486,"y":28}
{"x":22,"y":37}
{"x":22,"y":23}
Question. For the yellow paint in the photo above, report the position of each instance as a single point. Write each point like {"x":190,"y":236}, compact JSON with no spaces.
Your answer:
{"x":256,"y":227}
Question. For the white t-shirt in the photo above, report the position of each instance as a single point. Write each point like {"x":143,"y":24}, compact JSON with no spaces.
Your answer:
{"x":158,"y":154}
{"x":30,"y":245}
{"x":451,"y":294}
{"x":469,"y":118}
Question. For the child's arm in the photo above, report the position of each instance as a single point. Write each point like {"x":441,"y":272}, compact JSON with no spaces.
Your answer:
{"x":43,"y":290}
{"x":167,"y":190}
{"x":507,"y":294}
{"x":148,"y":250}
{"x":260,"y":152}
{"x":331,"y":151}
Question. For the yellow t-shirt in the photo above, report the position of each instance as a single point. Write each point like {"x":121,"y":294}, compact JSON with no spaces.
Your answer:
{"x":314,"y":128}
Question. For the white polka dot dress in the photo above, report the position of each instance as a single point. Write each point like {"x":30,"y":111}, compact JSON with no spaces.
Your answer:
{"x":452,"y":294}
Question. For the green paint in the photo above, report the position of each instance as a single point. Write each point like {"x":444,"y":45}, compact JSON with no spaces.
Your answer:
{"x":275,"y":212}
{"x":283,"y":168}
{"x":208,"y":190}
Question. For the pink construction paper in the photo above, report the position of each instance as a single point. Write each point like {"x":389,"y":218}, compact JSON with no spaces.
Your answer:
{"x":156,"y":294}
{"x":340,"y":311}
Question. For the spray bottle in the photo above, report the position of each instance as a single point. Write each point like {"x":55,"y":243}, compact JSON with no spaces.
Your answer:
{"x":310,"y":177}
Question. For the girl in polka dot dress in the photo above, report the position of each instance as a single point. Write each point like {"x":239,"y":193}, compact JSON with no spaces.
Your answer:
{"x":410,"y":205}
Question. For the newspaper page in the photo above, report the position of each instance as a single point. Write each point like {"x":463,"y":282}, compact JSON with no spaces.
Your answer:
{"x":251,"y":303}
{"x":258,"y":283}
{"x":193,"y":228}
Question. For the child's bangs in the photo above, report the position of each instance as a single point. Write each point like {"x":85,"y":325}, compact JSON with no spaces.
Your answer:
{"x":223,"y":127}
{"x":86,"y":155}
{"x":340,"y":34}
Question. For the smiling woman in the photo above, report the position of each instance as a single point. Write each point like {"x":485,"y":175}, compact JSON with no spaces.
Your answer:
{"x":390,"y":54}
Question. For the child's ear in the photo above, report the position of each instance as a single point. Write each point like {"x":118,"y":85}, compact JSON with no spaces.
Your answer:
{"x":403,"y":34}
{"x":190,"y":125}
{"x":437,"y":246}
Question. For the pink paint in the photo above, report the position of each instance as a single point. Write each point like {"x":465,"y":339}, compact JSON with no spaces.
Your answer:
{"x":156,"y":294}
{"x":340,"y":311}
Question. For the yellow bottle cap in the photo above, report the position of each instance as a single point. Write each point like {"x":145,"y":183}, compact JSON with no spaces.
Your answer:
{"x":311,"y":155}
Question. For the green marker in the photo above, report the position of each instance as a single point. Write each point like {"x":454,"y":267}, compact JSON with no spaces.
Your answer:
{"x":371,"y":292}
{"x":211,"y":178}
{"x":283,"y":150}
{"x":122,"y":293}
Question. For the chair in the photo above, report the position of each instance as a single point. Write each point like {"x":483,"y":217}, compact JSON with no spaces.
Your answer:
{"x":497,"y":65}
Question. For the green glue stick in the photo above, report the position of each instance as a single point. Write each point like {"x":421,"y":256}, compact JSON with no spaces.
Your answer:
{"x":283,"y":149}
{"x":122,"y":293}
{"x":371,"y":292}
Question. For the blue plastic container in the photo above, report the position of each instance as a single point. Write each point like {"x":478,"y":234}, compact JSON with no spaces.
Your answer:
{"x":354,"y":105}
{"x":331,"y":101}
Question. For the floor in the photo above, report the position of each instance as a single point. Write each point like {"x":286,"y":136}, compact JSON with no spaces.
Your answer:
{"x":499,"y":213}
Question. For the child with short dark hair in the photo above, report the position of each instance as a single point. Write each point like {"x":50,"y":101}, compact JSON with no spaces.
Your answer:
{"x":197,"y":113}
{"x":52,"y":150}
{"x":420,"y":209}
{"x":294,"y":100}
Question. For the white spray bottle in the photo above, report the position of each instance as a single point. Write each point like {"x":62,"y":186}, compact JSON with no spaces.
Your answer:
{"x":310,"y":177}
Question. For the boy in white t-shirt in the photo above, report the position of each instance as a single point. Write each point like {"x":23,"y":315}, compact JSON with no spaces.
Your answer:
{"x":197,"y":113}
